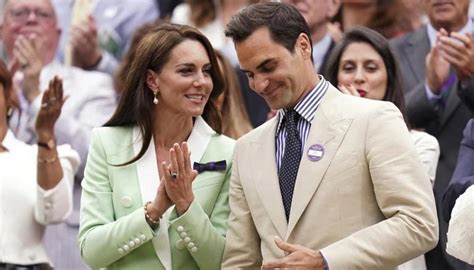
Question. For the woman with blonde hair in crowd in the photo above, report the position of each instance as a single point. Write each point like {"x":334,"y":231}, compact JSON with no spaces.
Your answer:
{"x":235,"y":121}
{"x":363,"y":65}
{"x":156,"y":186}
{"x":36,"y":181}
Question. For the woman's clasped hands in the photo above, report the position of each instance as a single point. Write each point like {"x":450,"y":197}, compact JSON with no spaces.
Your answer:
{"x":175,"y":184}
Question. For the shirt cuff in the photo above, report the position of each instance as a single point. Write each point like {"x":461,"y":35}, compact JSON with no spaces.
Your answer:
{"x":326,"y":266}
{"x":431,"y":96}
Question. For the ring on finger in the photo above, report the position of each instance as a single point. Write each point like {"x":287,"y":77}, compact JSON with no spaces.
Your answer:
{"x":174,"y":175}
{"x":44,"y":105}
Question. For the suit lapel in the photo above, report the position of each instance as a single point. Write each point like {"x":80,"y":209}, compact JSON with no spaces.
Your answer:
{"x":149,"y":179}
{"x":266,"y":176}
{"x":328,"y":130}
{"x":417,"y":49}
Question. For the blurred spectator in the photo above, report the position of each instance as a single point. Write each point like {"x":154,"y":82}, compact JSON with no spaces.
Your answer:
{"x":36,"y":181}
{"x":461,"y":228}
{"x":387,"y":17}
{"x":235,"y":121}
{"x":30,"y":34}
{"x":122,"y":70}
{"x":166,"y":8}
{"x":100,"y":40}
{"x":317,"y":14}
{"x":463,"y":176}
{"x":458,"y":202}
{"x":210,"y":17}
{"x":438,"y":67}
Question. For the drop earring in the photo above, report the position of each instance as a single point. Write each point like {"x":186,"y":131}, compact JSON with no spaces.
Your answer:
{"x":155,"y":98}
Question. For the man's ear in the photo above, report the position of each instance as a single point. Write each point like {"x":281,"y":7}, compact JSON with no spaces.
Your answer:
{"x":303,"y":44}
{"x":152,"y":80}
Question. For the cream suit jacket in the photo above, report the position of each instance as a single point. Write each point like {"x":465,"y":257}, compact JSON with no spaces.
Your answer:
{"x":367,"y":204}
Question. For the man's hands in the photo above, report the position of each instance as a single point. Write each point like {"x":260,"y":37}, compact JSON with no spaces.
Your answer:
{"x":27,"y":59}
{"x":85,"y":48}
{"x":297,"y":257}
{"x":457,"y":51}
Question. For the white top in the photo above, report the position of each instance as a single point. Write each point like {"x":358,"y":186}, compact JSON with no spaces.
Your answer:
{"x":25,"y":208}
{"x":427,"y":147}
{"x":461,"y":228}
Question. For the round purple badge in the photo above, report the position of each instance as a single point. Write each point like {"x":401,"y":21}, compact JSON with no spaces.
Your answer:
{"x":315,"y":152}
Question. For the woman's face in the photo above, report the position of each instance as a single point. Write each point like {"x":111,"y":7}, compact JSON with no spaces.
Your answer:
{"x":185,"y":84}
{"x":363,"y":67}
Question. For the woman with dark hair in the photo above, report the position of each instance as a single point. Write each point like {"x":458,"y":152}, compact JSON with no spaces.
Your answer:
{"x":155,"y":192}
{"x":363,"y":65}
{"x":36,"y":181}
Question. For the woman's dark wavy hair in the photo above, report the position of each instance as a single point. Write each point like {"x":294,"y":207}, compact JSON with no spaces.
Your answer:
{"x":135,"y":106}
{"x":362,"y":34}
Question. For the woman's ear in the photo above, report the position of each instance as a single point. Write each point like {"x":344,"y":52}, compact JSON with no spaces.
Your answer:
{"x":152,"y":80}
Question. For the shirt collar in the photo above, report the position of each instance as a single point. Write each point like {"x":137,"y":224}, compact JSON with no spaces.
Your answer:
{"x":468,"y":28}
{"x":320,"y":49}
{"x":308,"y":105}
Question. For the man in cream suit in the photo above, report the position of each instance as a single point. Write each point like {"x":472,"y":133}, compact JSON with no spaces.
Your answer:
{"x":333,"y":181}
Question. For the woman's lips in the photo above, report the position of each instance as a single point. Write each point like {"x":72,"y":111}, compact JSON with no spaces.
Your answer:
{"x":361,"y":92}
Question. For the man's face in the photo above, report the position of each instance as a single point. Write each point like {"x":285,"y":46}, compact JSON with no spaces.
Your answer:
{"x":315,"y":12}
{"x":274,"y":73}
{"x":33,"y":19}
{"x":449,"y":14}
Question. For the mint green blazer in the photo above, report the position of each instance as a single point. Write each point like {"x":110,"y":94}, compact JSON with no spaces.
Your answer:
{"x":113,"y":232}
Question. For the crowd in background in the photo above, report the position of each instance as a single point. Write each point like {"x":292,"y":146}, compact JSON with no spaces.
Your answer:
{"x":91,"y":46}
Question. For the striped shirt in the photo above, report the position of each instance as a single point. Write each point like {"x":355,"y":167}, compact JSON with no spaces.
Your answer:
{"x":306,"y":108}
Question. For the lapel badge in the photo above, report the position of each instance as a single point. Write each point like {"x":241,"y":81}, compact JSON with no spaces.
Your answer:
{"x":315,"y":152}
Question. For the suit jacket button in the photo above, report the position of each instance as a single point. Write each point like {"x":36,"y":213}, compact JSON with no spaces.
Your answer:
{"x":187,"y":239}
{"x":191,"y":245}
{"x":126,"y":201}
{"x":183,"y":234}
{"x":180,"y":244}
{"x":180,"y":228}
{"x":143,"y":237}
{"x":126,"y":247}
{"x":131,"y":244}
{"x":194,"y":249}
{"x":120,"y":250}
{"x":137,"y":241}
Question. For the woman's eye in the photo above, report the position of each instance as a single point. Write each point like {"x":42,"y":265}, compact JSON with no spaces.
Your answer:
{"x":207,"y":71}
{"x":186,"y":71}
{"x":372,"y":68}
{"x":347,"y":67}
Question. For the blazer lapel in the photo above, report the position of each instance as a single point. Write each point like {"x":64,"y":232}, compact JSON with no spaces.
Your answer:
{"x":452,"y":103}
{"x":149,"y":180}
{"x":416,"y":50}
{"x":266,"y":176}
{"x":328,"y":130}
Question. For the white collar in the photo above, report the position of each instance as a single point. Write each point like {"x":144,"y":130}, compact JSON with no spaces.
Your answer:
{"x":468,"y":28}
{"x":320,"y":49}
